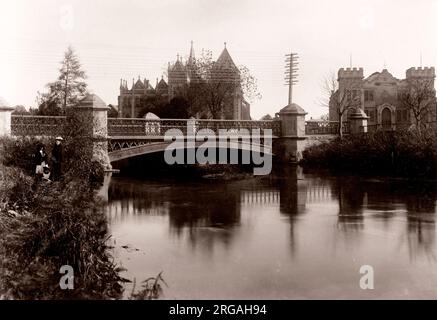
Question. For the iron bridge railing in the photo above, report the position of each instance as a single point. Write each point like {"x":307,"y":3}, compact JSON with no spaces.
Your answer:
{"x":325,"y":127}
{"x":27,"y":125}
{"x":129,"y":127}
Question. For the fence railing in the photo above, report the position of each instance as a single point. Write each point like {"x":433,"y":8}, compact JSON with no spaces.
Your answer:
{"x":29,"y":125}
{"x":403,"y":126}
{"x":325,"y":127}
{"x":25,"y":125}
{"x":127,"y":127}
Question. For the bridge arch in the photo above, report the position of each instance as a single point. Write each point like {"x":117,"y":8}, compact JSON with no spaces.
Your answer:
{"x":139,"y":148}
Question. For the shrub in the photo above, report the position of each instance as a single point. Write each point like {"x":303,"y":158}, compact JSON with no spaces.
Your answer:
{"x":65,"y":225}
{"x":384,"y":153}
{"x":19,"y":152}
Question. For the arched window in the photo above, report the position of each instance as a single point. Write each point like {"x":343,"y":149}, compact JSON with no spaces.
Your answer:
{"x":386,"y":118}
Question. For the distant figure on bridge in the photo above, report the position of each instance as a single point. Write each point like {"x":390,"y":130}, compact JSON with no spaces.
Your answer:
{"x":40,"y":157}
{"x":57,"y":158}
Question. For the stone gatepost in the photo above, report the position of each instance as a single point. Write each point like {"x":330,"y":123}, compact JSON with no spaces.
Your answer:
{"x":93,"y":113}
{"x":358,"y":122}
{"x":5,"y":118}
{"x":292,"y":132}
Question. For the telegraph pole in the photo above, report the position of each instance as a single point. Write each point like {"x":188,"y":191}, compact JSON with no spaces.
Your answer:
{"x":291,"y":74}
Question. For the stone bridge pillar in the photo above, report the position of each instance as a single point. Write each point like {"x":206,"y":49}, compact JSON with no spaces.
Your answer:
{"x":358,"y":121}
{"x":5,"y":118}
{"x":93,"y":113}
{"x":293,"y":137}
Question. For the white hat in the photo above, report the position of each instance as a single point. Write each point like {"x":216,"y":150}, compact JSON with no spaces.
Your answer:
{"x":59,"y":138}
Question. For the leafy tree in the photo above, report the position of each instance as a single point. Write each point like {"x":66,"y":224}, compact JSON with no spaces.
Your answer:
{"x":20,"y":110}
{"x":113,"y":112}
{"x":178,"y":108}
{"x":67,"y":89}
{"x":154,"y":104}
{"x":48,"y":104}
{"x":325,"y":117}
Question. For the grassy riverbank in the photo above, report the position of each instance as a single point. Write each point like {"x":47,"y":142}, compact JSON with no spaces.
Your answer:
{"x":396,"y":154}
{"x":45,"y":225}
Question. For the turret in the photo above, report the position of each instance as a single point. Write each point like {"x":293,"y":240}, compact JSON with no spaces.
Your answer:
{"x":350,"y":74}
{"x":423,"y":73}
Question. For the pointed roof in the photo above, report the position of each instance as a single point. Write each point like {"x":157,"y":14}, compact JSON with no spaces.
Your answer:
{"x":225,"y":60}
{"x":384,"y":76}
{"x":139,"y":84}
{"x":162,"y":84}
{"x":149,"y":86}
{"x":94,"y":101}
{"x":292,"y":109}
{"x":178,"y":66}
{"x":192,"y":57}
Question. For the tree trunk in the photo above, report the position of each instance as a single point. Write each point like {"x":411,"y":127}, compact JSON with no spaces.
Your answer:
{"x":340,"y":126}
{"x":66,"y":89}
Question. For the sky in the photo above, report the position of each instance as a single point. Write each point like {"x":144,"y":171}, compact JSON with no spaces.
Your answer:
{"x":129,"y":38}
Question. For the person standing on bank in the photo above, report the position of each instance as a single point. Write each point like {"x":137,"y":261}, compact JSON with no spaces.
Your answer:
{"x":57,"y":160}
{"x":40,"y":160}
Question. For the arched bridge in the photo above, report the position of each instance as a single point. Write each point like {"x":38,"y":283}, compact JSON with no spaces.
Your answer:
{"x":123,"y":138}
{"x":129,"y":137}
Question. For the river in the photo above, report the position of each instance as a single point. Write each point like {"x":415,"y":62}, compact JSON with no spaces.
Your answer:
{"x":291,"y":235}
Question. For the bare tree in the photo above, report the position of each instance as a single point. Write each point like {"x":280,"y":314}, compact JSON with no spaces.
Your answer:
{"x":212,"y":90}
{"x":340,"y":100}
{"x":419,"y":99}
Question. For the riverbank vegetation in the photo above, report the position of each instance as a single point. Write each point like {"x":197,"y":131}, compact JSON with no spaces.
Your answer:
{"x":406,"y":154}
{"x":45,"y":225}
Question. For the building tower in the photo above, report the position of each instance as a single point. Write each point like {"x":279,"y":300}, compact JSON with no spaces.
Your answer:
{"x":349,"y":79}
{"x":226,"y":71}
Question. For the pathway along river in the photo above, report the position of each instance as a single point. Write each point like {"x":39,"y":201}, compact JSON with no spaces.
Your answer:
{"x":287,"y":236}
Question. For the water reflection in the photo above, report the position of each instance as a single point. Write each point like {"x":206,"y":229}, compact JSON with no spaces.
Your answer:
{"x":381,"y":221}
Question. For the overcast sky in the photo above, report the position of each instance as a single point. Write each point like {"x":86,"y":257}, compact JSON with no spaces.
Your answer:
{"x":126,"y":38}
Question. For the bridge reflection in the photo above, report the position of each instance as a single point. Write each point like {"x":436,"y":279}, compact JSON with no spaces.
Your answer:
{"x":208,"y":212}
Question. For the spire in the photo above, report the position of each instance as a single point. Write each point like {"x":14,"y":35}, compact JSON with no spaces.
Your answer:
{"x":192,"y":56}
{"x":156,"y":83}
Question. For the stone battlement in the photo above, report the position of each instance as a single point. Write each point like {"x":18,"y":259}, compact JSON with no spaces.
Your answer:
{"x":427,"y":72}
{"x":351,"y":73}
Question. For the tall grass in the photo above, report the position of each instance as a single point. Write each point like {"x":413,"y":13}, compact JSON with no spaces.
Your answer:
{"x":52,"y":225}
{"x":45,"y":225}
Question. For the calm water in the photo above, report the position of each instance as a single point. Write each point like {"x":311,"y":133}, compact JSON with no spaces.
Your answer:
{"x":284,"y":237}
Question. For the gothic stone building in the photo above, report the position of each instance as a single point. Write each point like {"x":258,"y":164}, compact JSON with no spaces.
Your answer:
{"x":380,"y":96}
{"x":179,"y":75}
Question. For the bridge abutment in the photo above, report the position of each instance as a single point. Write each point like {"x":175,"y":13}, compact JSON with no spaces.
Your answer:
{"x":358,"y":122}
{"x":5,"y":118}
{"x":92,"y":113}
{"x":292,"y":140}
